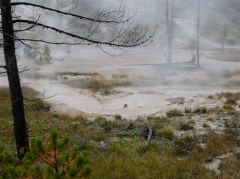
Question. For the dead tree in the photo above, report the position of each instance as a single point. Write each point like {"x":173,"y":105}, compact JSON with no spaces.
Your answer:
{"x":223,"y":36}
{"x":170,"y":29}
{"x":12,"y":26}
{"x":20,"y":128}
{"x":198,"y":34}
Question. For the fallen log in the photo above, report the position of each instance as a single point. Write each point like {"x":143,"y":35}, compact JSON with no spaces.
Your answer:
{"x":149,"y":137}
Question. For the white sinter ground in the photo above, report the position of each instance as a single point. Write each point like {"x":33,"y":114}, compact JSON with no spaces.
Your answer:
{"x":155,"y":87}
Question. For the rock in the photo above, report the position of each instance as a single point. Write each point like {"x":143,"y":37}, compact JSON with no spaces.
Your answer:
{"x":102,"y":144}
{"x":125,"y":106}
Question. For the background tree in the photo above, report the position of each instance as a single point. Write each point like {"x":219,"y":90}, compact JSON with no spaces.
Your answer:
{"x":198,"y":34}
{"x":223,"y":37}
{"x":13,"y":28}
{"x":170,"y":28}
{"x":224,"y":31}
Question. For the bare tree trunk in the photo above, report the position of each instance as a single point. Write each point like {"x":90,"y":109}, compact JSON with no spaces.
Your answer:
{"x":169,"y":24}
{"x":171,"y":33}
{"x":168,"y":32}
{"x":223,"y":38}
{"x":20,"y":128}
{"x":222,"y":46}
{"x":198,"y":35}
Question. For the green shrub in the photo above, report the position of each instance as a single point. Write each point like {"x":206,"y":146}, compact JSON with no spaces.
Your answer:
{"x":188,"y":110}
{"x":218,"y":145}
{"x":132,"y":133}
{"x":54,"y":159}
{"x":228,"y":107}
{"x":125,"y":160}
{"x":201,"y":110}
{"x":166,"y":133}
{"x":100,"y":121}
{"x":185,"y":145}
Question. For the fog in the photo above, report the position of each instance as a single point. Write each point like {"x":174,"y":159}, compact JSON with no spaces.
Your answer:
{"x":152,"y":81}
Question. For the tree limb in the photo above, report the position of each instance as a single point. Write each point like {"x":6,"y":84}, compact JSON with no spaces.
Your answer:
{"x":52,"y":43}
{"x":125,"y":41}
{"x":2,"y":66}
{"x":28,"y":28}
{"x":69,"y":14}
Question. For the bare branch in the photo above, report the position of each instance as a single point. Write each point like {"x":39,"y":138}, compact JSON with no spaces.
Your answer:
{"x":6,"y":127}
{"x":2,"y":66}
{"x":42,"y":97}
{"x":22,"y":42}
{"x":24,"y":69}
{"x":28,"y":28}
{"x":70,"y":14}
{"x":52,"y":43}
{"x":128,"y":40}
{"x":20,"y":70}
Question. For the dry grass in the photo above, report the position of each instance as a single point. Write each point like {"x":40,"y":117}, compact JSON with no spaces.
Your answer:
{"x":216,"y":145}
{"x":98,"y":83}
{"x":200,"y":110}
{"x":125,"y":161}
{"x":186,"y":125}
{"x":114,"y":147}
{"x":174,"y":113}
{"x":231,"y":166}
{"x":228,"y":107}
{"x":231,"y":99}
{"x":76,"y":74}
{"x":166,"y":133}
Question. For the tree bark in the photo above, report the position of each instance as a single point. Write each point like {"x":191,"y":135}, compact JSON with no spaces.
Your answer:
{"x":20,"y":127}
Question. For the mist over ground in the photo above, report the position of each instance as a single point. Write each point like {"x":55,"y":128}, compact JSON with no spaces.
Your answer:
{"x":121,"y":89}
{"x":151,"y":81}
{"x":215,"y":17}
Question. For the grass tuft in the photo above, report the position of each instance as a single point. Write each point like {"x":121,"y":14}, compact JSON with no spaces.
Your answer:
{"x":174,"y":113}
